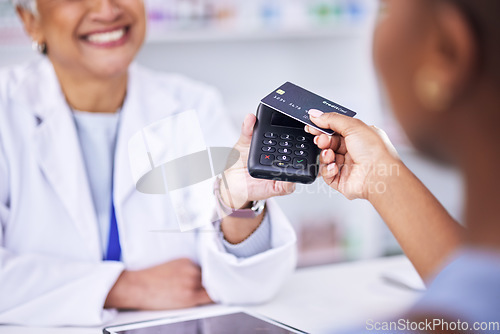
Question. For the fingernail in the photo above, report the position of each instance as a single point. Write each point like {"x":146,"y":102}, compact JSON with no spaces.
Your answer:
{"x":330,"y":167}
{"x":315,"y":113}
{"x":324,"y":153}
{"x":316,"y":140}
{"x":306,"y":129}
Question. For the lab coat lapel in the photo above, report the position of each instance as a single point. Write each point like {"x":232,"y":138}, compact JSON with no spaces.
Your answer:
{"x":59,"y":155}
{"x":145,"y":103}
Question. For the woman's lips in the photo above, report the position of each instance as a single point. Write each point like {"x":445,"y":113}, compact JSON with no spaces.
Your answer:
{"x":109,"y":38}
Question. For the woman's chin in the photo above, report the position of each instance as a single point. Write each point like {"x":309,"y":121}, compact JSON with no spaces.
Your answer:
{"x":109,"y":69}
{"x":109,"y":61}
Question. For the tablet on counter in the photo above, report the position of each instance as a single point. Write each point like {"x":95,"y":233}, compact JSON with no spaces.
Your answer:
{"x":222,"y":323}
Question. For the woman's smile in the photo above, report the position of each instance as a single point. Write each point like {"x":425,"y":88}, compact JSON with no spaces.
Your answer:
{"x":107,"y":38}
{"x":96,"y":39}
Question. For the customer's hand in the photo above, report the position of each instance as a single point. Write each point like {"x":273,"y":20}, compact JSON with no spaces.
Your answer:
{"x":356,"y":158}
{"x":172,"y":285}
{"x":242,"y":187}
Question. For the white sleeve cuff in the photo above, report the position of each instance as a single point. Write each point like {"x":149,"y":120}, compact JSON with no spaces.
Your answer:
{"x":258,"y":242}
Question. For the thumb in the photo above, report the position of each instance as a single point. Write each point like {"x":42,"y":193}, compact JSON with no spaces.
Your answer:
{"x":247,"y":130}
{"x":341,"y":124}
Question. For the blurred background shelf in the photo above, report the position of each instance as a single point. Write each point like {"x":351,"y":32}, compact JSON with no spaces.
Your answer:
{"x":230,"y":20}
{"x":222,"y":35}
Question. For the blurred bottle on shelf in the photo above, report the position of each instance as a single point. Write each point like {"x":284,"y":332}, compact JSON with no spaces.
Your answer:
{"x":320,"y":242}
{"x":232,"y":16}
{"x":347,"y":12}
{"x":167,"y":18}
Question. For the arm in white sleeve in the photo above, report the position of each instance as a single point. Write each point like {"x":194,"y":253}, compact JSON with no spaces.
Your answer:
{"x":259,"y":241}
{"x":41,"y":290}
{"x":230,"y":279}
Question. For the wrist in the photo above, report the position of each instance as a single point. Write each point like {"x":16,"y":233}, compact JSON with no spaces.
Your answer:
{"x":235,"y":230}
{"x":237,"y":208}
{"x":125,"y":294}
{"x":384,"y":172}
{"x":231,"y":201}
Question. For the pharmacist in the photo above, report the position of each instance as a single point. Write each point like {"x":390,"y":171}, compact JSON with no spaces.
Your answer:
{"x":75,"y":240}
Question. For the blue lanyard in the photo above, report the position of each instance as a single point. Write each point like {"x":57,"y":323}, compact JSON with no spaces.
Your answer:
{"x":114,"y":249}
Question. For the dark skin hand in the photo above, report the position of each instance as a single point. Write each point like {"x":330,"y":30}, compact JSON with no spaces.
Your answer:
{"x":360,"y":162}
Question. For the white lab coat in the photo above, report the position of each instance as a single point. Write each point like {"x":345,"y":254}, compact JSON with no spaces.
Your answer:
{"x":51,"y":273}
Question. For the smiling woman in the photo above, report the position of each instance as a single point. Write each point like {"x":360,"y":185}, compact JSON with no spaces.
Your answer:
{"x":91,"y":44}
{"x":74,"y":232}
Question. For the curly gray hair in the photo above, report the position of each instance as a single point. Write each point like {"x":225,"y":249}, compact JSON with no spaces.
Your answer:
{"x":27,"y":4}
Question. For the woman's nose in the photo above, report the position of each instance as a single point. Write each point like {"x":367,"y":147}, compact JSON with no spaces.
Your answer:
{"x":105,"y":10}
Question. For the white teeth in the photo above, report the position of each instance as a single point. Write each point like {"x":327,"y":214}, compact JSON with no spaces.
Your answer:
{"x":106,"y":37}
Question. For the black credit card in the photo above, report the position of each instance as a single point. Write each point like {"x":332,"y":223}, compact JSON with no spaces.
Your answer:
{"x":296,"y":102}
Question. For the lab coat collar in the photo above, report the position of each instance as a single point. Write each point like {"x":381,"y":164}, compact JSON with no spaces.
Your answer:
{"x":59,"y":154}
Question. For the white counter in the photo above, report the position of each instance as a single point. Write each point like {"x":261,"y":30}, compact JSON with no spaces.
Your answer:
{"x":334,"y":297}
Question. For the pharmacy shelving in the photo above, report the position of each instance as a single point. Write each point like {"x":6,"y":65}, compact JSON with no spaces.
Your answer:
{"x":232,"y":20}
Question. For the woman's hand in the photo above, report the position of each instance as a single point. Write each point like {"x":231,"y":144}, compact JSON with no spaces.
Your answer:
{"x":242,"y":187}
{"x":239,"y":189}
{"x":355,"y":160}
{"x":367,"y":166}
{"x":172,"y":285}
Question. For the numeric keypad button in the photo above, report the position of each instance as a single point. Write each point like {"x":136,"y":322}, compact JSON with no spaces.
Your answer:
{"x":286,"y":144}
{"x":287,"y":137}
{"x":301,"y":138}
{"x":269,"y":149}
{"x":269,"y":142}
{"x":301,"y":153}
{"x":285,"y":151}
{"x":285,"y":158}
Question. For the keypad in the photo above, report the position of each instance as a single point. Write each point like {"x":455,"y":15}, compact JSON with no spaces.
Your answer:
{"x":284,"y":150}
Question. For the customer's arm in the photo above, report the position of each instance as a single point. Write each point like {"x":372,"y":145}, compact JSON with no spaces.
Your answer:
{"x":422,"y":226}
{"x":360,"y":162}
